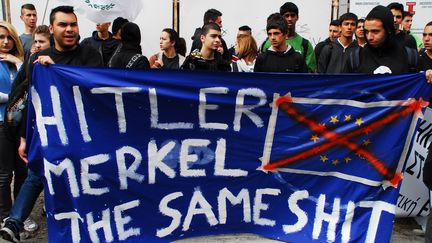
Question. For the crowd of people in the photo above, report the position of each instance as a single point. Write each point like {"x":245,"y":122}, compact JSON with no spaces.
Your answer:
{"x":381,"y":43}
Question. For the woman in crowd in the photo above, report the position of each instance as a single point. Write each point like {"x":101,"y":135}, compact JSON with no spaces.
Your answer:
{"x":130,"y":55}
{"x":32,"y":185}
{"x":169,"y":57}
{"x":247,"y":51}
{"x":11,"y":58}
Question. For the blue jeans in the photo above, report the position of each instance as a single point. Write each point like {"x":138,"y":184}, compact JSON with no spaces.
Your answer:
{"x":26,"y":199}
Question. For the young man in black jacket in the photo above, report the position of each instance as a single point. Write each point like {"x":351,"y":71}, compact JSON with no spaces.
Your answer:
{"x":207,"y":57}
{"x":334,"y":33}
{"x":426,"y":53}
{"x":280,"y":57}
{"x":333,"y":56}
{"x":103,"y":41}
{"x":383,"y":52}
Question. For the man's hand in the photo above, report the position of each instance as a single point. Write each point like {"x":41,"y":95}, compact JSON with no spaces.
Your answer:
{"x":44,"y":60}
{"x":21,"y":150}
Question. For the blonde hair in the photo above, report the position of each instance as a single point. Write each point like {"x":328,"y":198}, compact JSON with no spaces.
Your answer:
{"x":17,"y":50}
{"x":246,"y":47}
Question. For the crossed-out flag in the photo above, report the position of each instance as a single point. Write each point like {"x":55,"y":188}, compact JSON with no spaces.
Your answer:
{"x":343,"y":138}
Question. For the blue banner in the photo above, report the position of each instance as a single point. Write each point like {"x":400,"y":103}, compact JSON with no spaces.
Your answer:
{"x":157,"y":156}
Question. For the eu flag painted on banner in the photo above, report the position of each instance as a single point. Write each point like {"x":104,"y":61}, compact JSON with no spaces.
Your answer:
{"x":157,"y":156}
{"x":339,"y":135}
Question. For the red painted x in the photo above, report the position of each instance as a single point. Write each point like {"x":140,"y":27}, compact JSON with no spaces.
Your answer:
{"x":333,"y":138}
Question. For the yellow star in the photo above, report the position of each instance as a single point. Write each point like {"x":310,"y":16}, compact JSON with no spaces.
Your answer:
{"x":366,"y":142}
{"x":359,"y":121}
{"x":347,"y":118}
{"x":314,"y":138}
{"x":335,"y":162}
{"x":334,"y":120}
{"x":323,"y":158}
{"x":347,"y":159}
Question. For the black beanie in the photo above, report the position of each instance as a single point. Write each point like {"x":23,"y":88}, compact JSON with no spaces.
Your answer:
{"x":131,"y":33}
{"x":385,"y":15}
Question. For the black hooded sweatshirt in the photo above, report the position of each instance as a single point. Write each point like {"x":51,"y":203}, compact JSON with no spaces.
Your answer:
{"x":285,"y":62}
{"x":390,"y":54}
{"x":130,"y":53}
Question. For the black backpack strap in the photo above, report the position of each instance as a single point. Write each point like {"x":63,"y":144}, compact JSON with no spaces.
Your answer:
{"x":305,"y":45}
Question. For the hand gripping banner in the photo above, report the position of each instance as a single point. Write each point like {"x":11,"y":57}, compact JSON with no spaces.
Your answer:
{"x":154,"y":156}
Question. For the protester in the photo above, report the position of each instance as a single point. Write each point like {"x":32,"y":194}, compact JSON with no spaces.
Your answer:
{"x":397,"y":10}
{"x":224,"y":51}
{"x":334,"y":33}
{"x":168,"y":58}
{"x":116,"y":27}
{"x":333,"y":56}
{"x":280,"y":56}
{"x":406,"y":25}
{"x":242,"y":30}
{"x":383,"y":52}
{"x":103,"y":41}
{"x":247,"y":51}
{"x":291,"y":14}
{"x":210,"y":16}
{"x":359,"y":33}
{"x":130,"y":55}
{"x":11,"y":58}
{"x":426,"y":53}
{"x":18,"y":98}
{"x":29,"y":18}
{"x":66,"y":50}
{"x":207,"y":58}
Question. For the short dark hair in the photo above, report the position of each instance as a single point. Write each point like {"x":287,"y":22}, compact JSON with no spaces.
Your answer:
{"x":397,"y":6}
{"x":117,"y":24}
{"x":63,"y":9}
{"x":42,"y":29}
{"x":334,"y":22}
{"x":245,"y":28}
{"x":277,"y":22}
{"x":429,"y":24}
{"x":348,"y":16}
{"x":211,"y":15}
{"x":288,"y":7}
{"x":207,"y":27}
{"x":27,"y":6}
{"x":274,"y":16}
{"x":407,"y":13}
{"x":362,"y":20}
